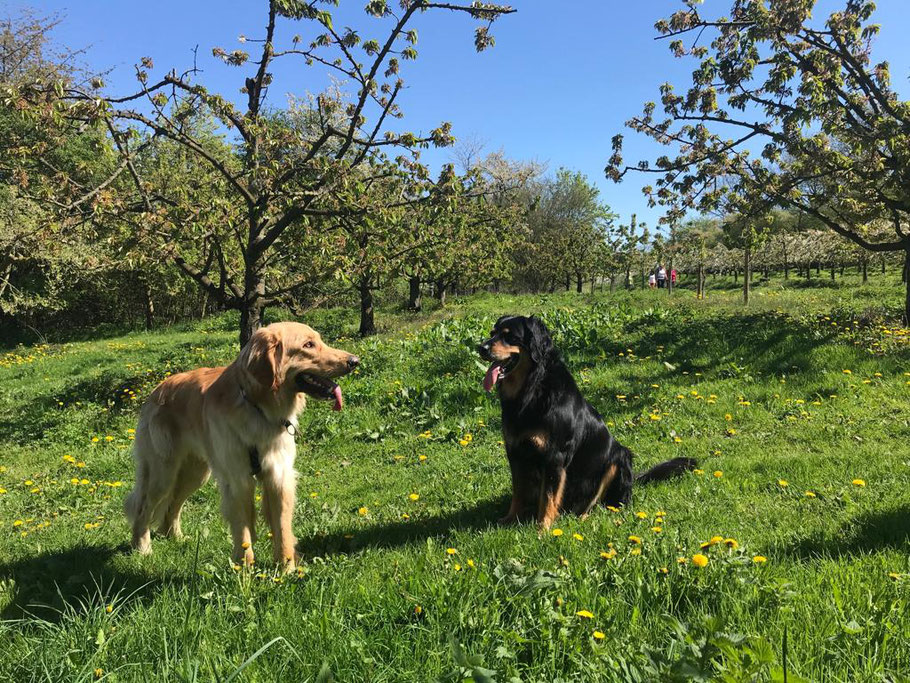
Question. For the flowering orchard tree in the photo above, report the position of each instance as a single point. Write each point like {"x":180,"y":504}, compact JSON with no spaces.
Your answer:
{"x":782,"y":111}
{"x":282,"y":166}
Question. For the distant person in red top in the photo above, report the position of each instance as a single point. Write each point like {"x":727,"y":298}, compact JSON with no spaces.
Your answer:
{"x":673,"y":276}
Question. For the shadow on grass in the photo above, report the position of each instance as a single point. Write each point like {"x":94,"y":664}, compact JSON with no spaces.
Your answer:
{"x":481,"y":516}
{"x":870,"y":532}
{"x":43,"y":586}
{"x":44,"y":413}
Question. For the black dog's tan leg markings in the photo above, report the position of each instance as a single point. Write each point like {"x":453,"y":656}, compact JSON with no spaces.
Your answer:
{"x":551,"y":498}
{"x":605,"y":482}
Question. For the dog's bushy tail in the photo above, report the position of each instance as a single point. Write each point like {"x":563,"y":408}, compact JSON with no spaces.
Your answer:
{"x":666,"y":470}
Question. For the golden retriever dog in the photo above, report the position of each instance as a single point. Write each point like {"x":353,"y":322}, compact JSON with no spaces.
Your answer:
{"x":238,"y":423}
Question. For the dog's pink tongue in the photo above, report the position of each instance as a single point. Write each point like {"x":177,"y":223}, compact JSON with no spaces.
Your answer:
{"x":339,"y":402}
{"x":489,"y":381}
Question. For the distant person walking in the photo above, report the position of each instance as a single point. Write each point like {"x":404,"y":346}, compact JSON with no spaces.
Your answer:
{"x":661,"y":277}
{"x":652,"y":281}
{"x":673,"y":276}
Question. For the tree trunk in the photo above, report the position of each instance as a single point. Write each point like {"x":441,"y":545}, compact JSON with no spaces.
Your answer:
{"x":414,"y":303}
{"x":612,"y":283}
{"x":865,"y":267}
{"x":593,"y":284}
{"x":367,"y":322}
{"x":441,"y":292}
{"x":747,"y":273}
{"x":736,"y":275}
{"x":578,"y":283}
{"x":907,"y":286}
{"x":832,"y":272}
{"x":149,"y":305}
{"x":628,"y":283}
{"x":250,"y":319}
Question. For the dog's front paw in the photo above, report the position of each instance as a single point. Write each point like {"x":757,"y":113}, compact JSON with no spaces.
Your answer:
{"x":507,"y":520}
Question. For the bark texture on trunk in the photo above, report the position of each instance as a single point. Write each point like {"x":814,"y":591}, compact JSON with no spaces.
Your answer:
{"x":367,"y":322}
{"x":414,"y":302}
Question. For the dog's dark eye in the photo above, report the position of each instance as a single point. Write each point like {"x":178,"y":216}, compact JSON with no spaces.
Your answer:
{"x":309,"y":345}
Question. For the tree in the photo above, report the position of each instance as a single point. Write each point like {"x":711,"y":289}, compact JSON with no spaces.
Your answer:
{"x":280,"y":173}
{"x":782,"y":111}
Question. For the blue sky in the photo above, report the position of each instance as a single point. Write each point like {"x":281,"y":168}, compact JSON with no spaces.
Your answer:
{"x":561,"y":81}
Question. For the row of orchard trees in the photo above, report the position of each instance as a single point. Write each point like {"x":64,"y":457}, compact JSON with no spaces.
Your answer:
{"x":785,"y":109}
{"x":786,"y":245}
{"x":173,"y":199}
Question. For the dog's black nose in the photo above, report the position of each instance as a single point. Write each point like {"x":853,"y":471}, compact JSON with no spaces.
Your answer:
{"x":353,"y":361}
{"x":484,"y":351}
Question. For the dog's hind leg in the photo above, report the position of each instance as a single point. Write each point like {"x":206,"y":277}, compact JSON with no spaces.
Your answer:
{"x":602,"y":487}
{"x":619,"y":492}
{"x":192,"y":475}
{"x":155,"y":476}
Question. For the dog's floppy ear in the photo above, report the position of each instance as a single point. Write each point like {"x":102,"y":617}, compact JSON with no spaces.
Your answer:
{"x":263,"y":358}
{"x":540,"y":345}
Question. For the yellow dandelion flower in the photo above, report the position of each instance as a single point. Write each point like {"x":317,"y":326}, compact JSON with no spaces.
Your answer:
{"x":635,"y":551}
{"x":655,"y":416}
{"x":663,"y":570}
{"x":759,"y":559}
{"x":728,"y":417}
{"x":471,"y":564}
{"x":682,"y":560}
{"x":609,"y":555}
{"x":697,"y":471}
{"x":578,"y":537}
{"x":782,"y":483}
{"x":656,"y":529}
{"x":612,"y":508}
{"x":809,"y":494}
{"x":584,"y":614}
{"x":418,"y":610}
{"x":457,"y":567}
{"x":731,"y":543}
{"x":718,"y":473}
{"x":676,"y":439}
{"x":599,"y":635}
{"x":556,"y":532}
{"x":451,"y":551}
{"x":716,"y":539}
{"x":421,"y":457}
{"x":847,"y":372}
{"x":859,"y":482}
{"x":18,"y":522}
{"x":641,"y":515}
{"x":362,"y":511}
{"x":109,"y":609}
{"x":635,"y":539}
{"x":414,"y":496}
{"x":699,"y":560}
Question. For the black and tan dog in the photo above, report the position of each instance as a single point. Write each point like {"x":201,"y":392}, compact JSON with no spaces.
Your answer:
{"x":562,"y":456}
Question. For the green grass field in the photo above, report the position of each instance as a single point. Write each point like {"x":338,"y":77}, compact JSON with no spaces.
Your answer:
{"x":797,"y":408}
